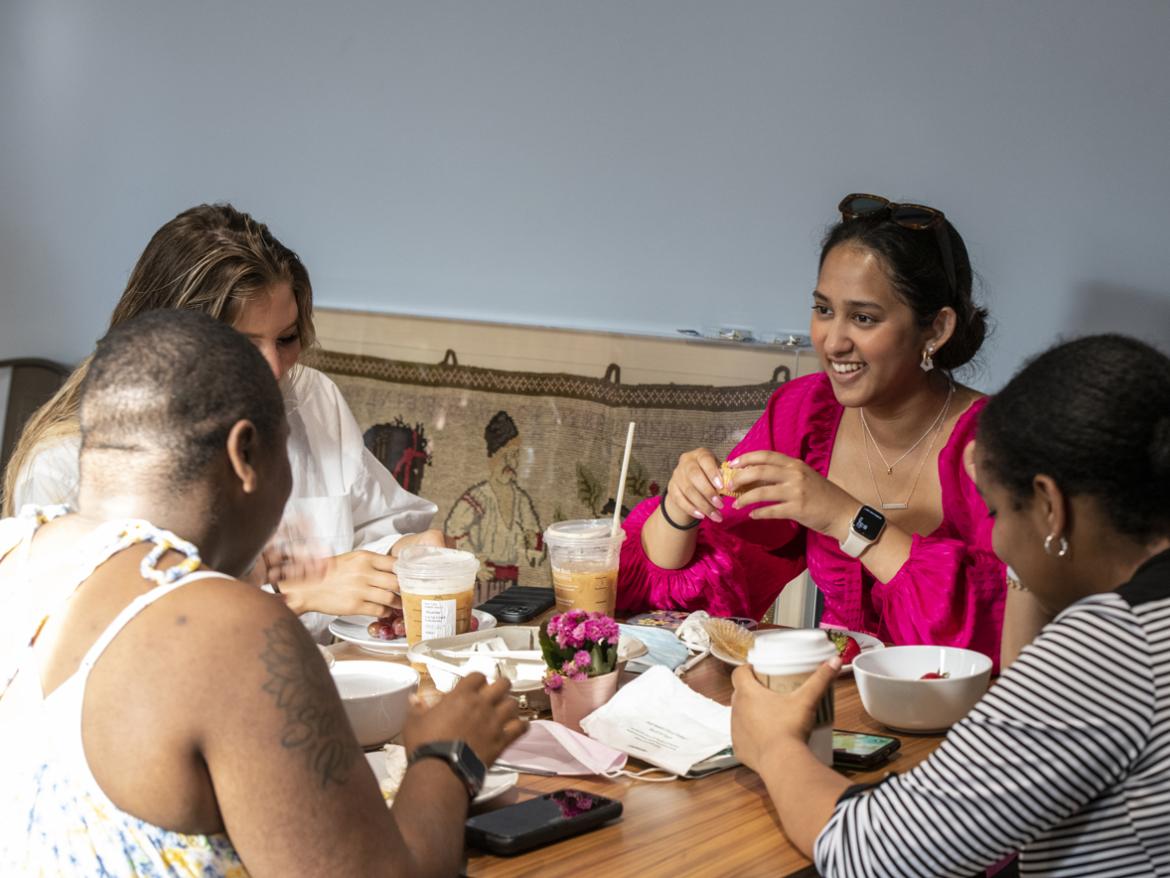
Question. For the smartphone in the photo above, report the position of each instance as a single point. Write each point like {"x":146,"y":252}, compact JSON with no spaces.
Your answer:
{"x":539,"y":821}
{"x":519,"y":603}
{"x":858,"y":750}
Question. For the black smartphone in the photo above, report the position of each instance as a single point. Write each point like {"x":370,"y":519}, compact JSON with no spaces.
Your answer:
{"x":859,"y":750}
{"x":545,"y":819}
{"x":519,"y":603}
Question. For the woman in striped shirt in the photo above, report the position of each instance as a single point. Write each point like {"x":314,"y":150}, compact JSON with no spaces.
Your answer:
{"x":1067,"y":758}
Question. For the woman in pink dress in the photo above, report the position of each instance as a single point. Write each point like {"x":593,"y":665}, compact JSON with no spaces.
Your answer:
{"x":855,"y":473}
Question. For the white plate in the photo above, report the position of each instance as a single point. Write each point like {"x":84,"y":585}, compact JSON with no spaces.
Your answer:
{"x":867,"y":642}
{"x":353,"y":629}
{"x":497,"y":781}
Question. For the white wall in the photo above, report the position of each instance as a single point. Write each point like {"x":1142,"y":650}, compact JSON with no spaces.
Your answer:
{"x":636,"y":165}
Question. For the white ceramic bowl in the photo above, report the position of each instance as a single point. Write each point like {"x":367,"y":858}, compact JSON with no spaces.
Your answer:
{"x":892,"y":691}
{"x":376,"y":697}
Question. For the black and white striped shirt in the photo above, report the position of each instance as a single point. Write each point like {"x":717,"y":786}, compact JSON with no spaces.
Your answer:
{"x":1066,"y":759}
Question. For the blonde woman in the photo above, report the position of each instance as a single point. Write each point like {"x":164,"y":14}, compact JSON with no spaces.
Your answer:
{"x":344,"y":503}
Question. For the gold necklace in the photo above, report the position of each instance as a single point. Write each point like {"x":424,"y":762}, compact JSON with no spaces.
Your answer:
{"x":937,"y":420}
{"x":932,"y":432}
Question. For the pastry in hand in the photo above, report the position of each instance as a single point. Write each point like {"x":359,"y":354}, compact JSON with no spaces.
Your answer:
{"x":727,"y":476}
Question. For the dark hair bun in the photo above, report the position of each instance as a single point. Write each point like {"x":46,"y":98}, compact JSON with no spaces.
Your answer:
{"x":967,"y":339}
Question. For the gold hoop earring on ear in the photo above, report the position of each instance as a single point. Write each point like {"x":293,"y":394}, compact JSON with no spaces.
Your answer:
{"x":1062,"y":546}
{"x":927,"y":358}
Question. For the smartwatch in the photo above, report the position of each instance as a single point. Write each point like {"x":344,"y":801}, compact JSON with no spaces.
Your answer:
{"x":866,"y":527}
{"x":460,"y":757}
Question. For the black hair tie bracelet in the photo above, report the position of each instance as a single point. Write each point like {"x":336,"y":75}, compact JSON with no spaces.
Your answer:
{"x":695,"y":522}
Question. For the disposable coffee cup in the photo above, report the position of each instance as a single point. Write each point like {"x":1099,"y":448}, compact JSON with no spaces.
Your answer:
{"x":783,"y":660}
{"x":584,"y":558}
{"x":437,"y":587}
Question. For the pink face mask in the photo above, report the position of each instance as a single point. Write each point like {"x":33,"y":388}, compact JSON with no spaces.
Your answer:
{"x":551,"y":748}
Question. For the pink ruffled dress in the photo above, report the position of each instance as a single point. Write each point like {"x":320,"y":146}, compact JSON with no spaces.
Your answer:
{"x":950,"y":591}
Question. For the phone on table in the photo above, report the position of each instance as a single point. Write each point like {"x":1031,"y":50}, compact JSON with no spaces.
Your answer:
{"x":519,"y":603}
{"x":548,"y":818}
{"x":859,"y":750}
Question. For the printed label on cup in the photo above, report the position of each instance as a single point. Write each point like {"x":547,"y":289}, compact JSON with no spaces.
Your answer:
{"x":438,"y":619}
{"x":589,"y":590}
{"x":439,"y":615}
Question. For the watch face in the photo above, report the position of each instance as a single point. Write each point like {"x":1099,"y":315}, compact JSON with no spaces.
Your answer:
{"x":473,"y":768}
{"x":869,"y":523}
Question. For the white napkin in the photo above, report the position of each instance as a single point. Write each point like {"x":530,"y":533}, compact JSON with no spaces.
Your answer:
{"x":661,"y":720}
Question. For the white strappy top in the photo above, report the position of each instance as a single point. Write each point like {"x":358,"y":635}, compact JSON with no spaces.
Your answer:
{"x":54,"y":818}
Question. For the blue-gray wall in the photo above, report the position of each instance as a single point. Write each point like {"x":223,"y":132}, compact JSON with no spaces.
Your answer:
{"x":620,"y":164}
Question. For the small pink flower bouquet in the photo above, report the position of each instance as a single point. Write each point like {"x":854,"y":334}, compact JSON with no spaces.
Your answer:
{"x":577,"y":645}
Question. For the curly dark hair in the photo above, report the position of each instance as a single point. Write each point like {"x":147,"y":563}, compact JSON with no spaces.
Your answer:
{"x":1094,"y":415}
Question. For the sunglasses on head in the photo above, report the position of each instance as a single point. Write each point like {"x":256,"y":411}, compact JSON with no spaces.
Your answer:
{"x":917,"y":217}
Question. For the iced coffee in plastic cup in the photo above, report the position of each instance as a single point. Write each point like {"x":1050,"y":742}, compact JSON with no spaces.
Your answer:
{"x":584,"y":560}
{"x":438,"y":588}
{"x":783,"y":660}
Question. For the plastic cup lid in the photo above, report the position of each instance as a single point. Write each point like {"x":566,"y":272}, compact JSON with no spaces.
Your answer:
{"x":433,"y":562}
{"x":790,"y":652}
{"x":582,"y":531}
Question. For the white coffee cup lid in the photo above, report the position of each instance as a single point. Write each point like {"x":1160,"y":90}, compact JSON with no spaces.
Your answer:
{"x":582,"y":532}
{"x":790,"y":652}
{"x":434,"y":562}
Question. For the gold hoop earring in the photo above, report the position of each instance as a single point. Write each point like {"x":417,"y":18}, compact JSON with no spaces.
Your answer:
{"x":1062,"y":546}
{"x":927,"y":358}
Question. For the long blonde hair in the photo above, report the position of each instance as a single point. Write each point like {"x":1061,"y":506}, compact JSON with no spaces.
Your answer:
{"x":211,"y":258}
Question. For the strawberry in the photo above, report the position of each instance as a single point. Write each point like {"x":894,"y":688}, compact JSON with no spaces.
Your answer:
{"x":935,"y":675}
{"x":847,"y":647}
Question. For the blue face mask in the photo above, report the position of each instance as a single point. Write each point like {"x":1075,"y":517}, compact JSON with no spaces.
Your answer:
{"x":665,"y":648}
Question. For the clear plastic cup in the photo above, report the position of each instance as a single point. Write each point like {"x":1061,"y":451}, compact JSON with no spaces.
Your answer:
{"x":783,"y":660}
{"x":584,"y":558}
{"x":438,"y":588}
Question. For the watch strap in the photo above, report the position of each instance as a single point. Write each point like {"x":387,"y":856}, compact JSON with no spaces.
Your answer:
{"x":854,"y":544}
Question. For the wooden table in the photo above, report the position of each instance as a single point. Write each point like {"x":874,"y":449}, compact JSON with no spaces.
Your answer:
{"x":722,"y":824}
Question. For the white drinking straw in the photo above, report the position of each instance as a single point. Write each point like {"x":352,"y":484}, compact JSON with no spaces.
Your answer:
{"x":617,"y":506}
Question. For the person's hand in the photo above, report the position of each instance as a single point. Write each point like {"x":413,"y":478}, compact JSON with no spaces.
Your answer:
{"x":762,"y":720}
{"x":433,"y":537}
{"x":482,"y":714}
{"x":693,"y":491}
{"x":358,"y":583}
{"x":793,"y":490}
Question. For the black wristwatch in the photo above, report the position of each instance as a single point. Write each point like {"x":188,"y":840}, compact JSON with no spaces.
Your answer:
{"x":460,"y":757}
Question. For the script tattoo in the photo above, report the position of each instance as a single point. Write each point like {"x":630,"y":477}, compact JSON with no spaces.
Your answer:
{"x":303,"y":689}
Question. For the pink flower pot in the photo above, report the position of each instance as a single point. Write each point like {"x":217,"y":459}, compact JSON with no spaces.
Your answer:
{"x":576,"y":699}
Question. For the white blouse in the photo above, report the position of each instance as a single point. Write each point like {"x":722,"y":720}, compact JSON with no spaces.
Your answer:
{"x":342,"y":498}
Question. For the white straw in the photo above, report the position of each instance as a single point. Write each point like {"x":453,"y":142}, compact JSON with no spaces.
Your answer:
{"x":617,"y":506}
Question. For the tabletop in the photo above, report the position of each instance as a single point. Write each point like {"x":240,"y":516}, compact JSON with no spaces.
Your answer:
{"x":723,"y":823}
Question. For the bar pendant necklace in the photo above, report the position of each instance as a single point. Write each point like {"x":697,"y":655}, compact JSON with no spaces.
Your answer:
{"x":932,"y":431}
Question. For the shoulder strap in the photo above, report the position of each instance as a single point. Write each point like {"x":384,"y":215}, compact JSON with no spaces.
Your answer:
{"x":132,"y":609}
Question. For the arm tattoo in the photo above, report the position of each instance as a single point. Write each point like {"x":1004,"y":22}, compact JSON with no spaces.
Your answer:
{"x":303,"y":689}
